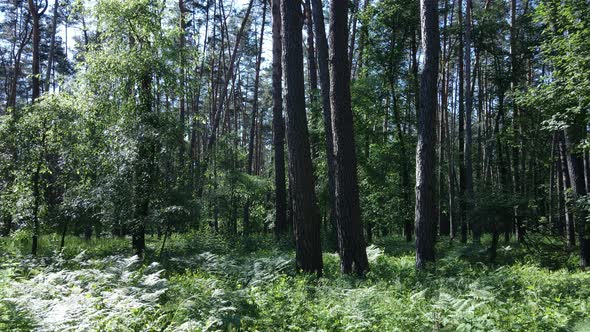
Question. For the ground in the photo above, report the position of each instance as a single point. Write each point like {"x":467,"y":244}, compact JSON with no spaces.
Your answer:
{"x":205,"y":282}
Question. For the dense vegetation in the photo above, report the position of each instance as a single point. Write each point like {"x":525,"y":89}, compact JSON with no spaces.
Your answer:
{"x":211,"y":283}
{"x":370,"y":165}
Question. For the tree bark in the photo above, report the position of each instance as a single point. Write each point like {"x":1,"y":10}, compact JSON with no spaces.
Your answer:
{"x":566,"y":182}
{"x":182,"y":115}
{"x":574,"y":135}
{"x":322,"y":56}
{"x":462,"y":184}
{"x":311,"y":59}
{"x":405,"y":167}
{"x":468,"y":134}
{"x":306,"y":219}
{"x":351,"y":242}
{"x":36,"y":14}
{"x":254,"y":117}
{"x":363,"y":35}
{"x":354,"y":16}
{"x":51,"y":45}
{"x":425,"y":150}
{"x":278,"y":123}
{"x":228,"y":77}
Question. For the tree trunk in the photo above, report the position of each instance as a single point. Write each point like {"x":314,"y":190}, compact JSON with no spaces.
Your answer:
{"x":182,"y":115}
{"x":566,"y":181}
{"x":64,"y":230}
{"x":468,"y":136}
{"x":425,"y":151}
{"x":461,"y":85}
{"x":51,"y":45}
{"x":311,"y":59}
{"x":405,"y":168}
{"x":36,"y":205}
{"x":559,"y":191}
{"x":254,"y":117}
{"x":278,"y":123}
{"x":354,"y":16}
{"x":36,"y":15}
{"x":351,"y":242}
{"x":516,"y":156}
{"x":574,"y":135}
{"x":228,"y":77}
{"x":322,"y":56}
{"x":23,"y":39}
{"x":363,"y":35}
{"x":550,"y":216}
{"x":306,"y":219}
{"x":143,"y":169}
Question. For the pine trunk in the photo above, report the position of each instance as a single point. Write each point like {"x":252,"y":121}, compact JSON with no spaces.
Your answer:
{"x":306,"y":218}
{"x":425,"y":151}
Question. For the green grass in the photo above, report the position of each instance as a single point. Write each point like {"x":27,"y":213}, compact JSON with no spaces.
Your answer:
{"x":206,"y":282}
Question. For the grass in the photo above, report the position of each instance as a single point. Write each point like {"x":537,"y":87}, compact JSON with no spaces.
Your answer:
{"x":206,"y":282}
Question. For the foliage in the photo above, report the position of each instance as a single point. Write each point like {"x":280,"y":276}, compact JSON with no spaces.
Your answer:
{"x":212,"y":291}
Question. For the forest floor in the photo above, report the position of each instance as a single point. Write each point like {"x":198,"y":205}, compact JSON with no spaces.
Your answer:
{"x":204,"y":282}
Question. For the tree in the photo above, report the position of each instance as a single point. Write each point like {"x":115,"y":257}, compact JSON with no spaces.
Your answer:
{"x":468,"y":134}
{"x":52,"y":47}
{"x":20,"y":37}
{"x":306,"y":221}
{"x":322,"y":56}
{"x":461,"y":74}
{"x":351,"y":241}
{"x":425,"y":150}
{"x":254,"y":113}
{"x":574,"y":134}
{"x":229,"y":74}
{"x":278,"y":123}
{"x":181,"y":50}
{"x":36,"y":11}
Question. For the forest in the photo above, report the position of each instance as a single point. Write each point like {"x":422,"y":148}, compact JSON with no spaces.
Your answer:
{"x":294,"y":165}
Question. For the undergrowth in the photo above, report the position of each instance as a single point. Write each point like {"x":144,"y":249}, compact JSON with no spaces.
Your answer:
{"x":205,"y":282}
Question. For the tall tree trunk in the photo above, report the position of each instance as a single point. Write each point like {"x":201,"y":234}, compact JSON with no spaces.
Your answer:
{"x":278,"y":123}
{"x":306,"y":218}
{"x":468,"y":136}
{"x":425,"y":151}
{"x":254,"y":117}
{"x":566,"y":182}
{"x":354,"y":16}
{"x":36,"y":14}
{"x":363,"y":35}
{"x":461,"y":85}
{"x":574,"y":136}
{"x":51,"y":45}
{"x":444,"y":224}
{"x":516,"y":155}
{"x":446,"y":125}
{"x":13,"y":91}
{"x":312,"y":73}
{"x":559,"y":191}
{"x":195,"y":137}
{"x":182,"y":115}
{"x":550,"y":215}
{"x":405,"y":167}
{"x":311,"y":59}
{"x":415,"y":89}
{"x":351,"y":242}
{"x":322,"y":55}
{"x":229,"y":74}
{"x":37,"y":203}
{"x":143,"y":169}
